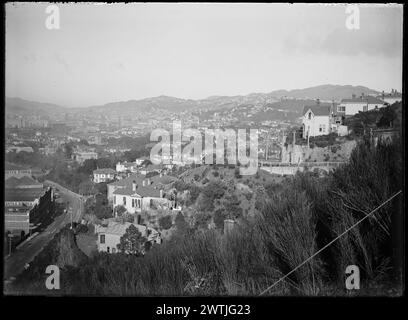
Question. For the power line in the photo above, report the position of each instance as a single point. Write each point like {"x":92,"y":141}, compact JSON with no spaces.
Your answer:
{"x":331,"y":242}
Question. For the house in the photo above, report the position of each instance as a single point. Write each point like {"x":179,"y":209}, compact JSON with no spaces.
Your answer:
{"x":317,"y":119}
{"x":14,"y":170}
{"x":126,"y":166}
{"x":350,"y":107}
{"x":24,"y":205}
{"x":80,"y":157}
{"x":108,"y":237}
{"x":24,"y":182}
{"x":104,"y":175}
{"x":152,"y":168}
{"x":139,"y":161}
{"x":137,"y":193}
{"x":19,"y":148}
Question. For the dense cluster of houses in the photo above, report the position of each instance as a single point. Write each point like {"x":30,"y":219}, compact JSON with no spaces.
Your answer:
{"x":138,"y":187}
{"x":324,"y":118}
{"x":26,"y":201}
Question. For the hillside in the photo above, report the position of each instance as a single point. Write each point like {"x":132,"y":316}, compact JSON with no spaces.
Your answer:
{"x":280,"y":99}
{"x":17,"y":106}
{"x":326,"y":92}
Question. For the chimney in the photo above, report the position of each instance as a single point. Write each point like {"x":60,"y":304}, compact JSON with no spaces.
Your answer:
{"x":161,"y":193}
{"x":134,"y":185}
{"x":148,"y":181}
{"x":144,"y":182}
{"x":294,"y":138}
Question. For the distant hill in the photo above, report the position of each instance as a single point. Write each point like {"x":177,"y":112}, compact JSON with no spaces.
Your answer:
{"x":172,"y":104}
{"x":17,"y":106}
{"x":325,"y":92}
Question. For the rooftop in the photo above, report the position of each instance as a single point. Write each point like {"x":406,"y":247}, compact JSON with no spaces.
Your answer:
{"x":12,"y":166}
{"x":14,"y":182}
{"x":21,"y":194}
{"x":104,"y":171}
{"x":119,"y":228}
{"x":322,"y":109}
{"x":152,"y":190}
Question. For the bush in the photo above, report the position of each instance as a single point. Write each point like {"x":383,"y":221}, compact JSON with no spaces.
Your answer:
{"x":165,"y":222}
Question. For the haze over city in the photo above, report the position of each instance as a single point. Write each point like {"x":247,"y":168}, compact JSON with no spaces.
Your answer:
{"x":120,"y":52}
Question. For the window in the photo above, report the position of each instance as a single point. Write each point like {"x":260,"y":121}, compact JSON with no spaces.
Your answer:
{"x":114,"y":200}
{"x":102,"y":238}
{"x":124,"y":201}
{"x":133,"y":203}
{"x":310,"y":115}
{"x":341,"y":108}
{"x":322,"y":128}
{"x":108,"y":249}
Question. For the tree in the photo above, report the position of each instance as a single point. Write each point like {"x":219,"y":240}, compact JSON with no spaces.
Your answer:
{"x":103,"y":212}
{"x":219,"y":217}
{"x":146,"y":162}
{"x":132,"y":241}
{"x":120,"y":210}
{"x":180,"y":222}
{"x":165,"y":222}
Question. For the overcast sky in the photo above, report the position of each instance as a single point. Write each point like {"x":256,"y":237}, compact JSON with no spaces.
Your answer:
{"x":105,"y":53}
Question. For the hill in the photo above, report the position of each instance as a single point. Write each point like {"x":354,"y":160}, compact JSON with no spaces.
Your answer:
{"x":18,"y":106}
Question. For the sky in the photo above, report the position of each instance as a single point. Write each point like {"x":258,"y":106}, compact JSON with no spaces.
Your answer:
{"x":118,"y":52}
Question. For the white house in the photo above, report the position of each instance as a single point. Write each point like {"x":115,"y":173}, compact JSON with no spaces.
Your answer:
{"x":352,"y":106}
{"x":108,"y":237}
{"x":316,"y":120}
{"x":137,"y":193}
{"x":104,"y":175}
{"x":126,"y":166}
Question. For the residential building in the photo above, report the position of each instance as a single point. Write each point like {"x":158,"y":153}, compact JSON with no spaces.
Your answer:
{"x":18,"y":149}
{"x":137,"y":193}
{"x":25,"y":206}
{"x":14,"y":170}
{"x":80,"y":157}
{"x":126,"y":166}
{"x":108,"y":237}
{"x":317,"y":119}
{"x":352,"y":106}
{"x":104,"y":175}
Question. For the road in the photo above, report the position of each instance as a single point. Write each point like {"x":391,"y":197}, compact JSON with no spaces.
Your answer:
{"x":29,"y":250}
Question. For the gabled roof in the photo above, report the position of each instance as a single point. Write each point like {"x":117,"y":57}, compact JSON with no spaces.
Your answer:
{"x":152,"y":190}
{"x":363,"y":99}
{"x":119,"y":228}
{"x":14,"y":182}
{"x":12,"y":166}
{"x":104,"y":171}
{"x":18,"y":194}
{"x":322,"y":109}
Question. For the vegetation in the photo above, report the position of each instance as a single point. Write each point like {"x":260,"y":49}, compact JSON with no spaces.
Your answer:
{"x":296,"y":218}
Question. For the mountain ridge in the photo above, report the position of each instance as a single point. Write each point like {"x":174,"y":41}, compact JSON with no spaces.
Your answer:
{"x":173,"y":104}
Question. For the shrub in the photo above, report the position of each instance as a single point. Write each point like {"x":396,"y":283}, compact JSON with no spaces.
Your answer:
{"x":165,"y":222}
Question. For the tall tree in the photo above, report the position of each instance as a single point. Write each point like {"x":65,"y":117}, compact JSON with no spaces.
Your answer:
{"x":132,"y":241}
